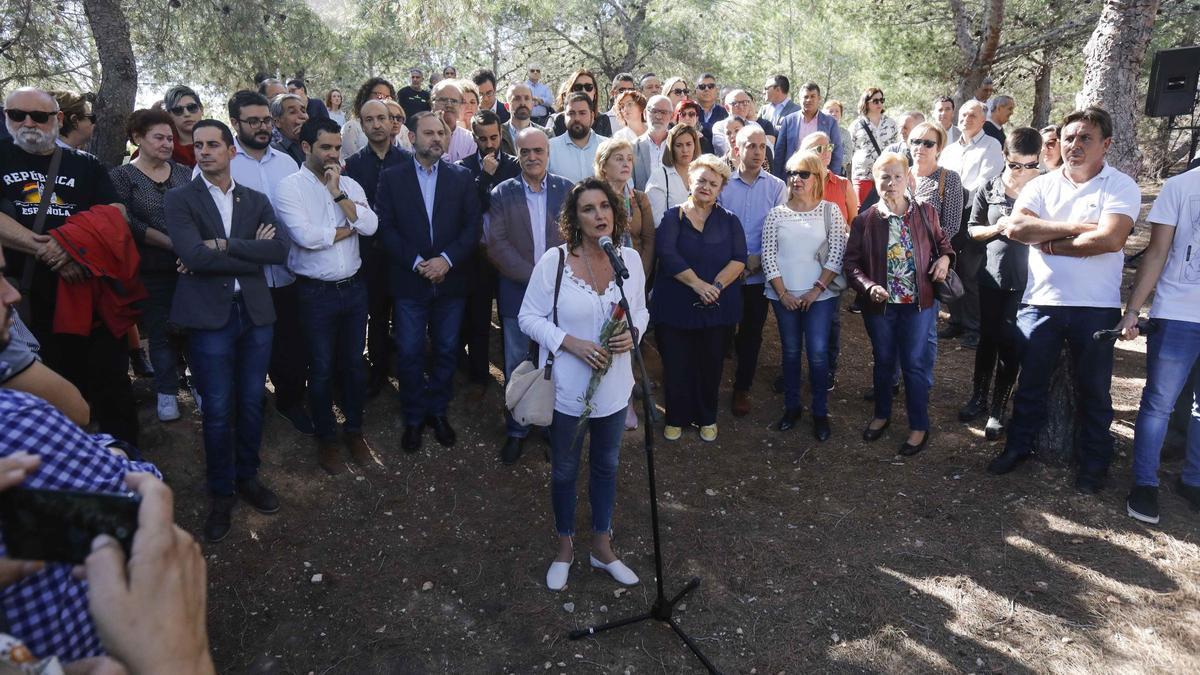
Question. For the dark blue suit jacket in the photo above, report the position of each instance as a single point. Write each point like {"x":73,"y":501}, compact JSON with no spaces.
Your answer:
{"x":787,"y":141}
{"x":365,"y":166}
{"x":484,"y":182}
{"x":405,"y":230}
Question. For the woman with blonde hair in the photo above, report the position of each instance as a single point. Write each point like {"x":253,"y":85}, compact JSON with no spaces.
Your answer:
{"x":802,"y":246}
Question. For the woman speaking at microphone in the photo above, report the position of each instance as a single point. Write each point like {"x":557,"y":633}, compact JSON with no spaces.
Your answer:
{"x":593,"y":369}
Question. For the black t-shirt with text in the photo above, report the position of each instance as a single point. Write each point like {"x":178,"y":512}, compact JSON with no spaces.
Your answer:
{"x":82,"y":183}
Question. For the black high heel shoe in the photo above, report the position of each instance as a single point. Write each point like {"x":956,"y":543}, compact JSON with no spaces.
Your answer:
{"x":870,"y":434}
{"x":908,"y":450}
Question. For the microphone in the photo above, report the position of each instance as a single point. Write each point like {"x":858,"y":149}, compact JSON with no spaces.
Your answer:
{"x":614,"y":256}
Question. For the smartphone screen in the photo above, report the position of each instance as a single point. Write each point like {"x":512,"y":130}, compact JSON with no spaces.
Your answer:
{"x":59,"y":525}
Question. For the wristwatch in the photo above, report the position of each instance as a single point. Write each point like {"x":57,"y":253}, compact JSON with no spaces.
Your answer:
{"x":340,"y":197}
{"x":719,"y":286}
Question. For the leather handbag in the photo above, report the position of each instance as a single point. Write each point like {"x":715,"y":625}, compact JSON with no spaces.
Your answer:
{"x":838,"y":284}
{"x":529,"y":393}
{"x":950,"y":290}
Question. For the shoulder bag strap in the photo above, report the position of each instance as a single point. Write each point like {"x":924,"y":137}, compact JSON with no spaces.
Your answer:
{"x":562,"y":263}
{"x":39,"y":221}
{"x":928,"y":230}
{"x":867,"y":128}
{"x":941,"y":185}
{"x":667,"y":185}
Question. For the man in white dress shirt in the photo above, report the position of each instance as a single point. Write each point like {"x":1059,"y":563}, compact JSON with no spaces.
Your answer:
{"x":446,"y":100}
{"x":976,"y":158}
{"x":325,"y":212}
{"x":573,"y":154}
{"x":648,"y":153}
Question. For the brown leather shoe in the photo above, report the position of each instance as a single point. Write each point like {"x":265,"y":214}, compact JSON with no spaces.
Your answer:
{"x":741,"y":403}
{"x":360,"y":450}
{"x":329,"y":456}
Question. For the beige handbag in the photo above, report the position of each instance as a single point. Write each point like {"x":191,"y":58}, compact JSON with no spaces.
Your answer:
{"x":529,"y":393}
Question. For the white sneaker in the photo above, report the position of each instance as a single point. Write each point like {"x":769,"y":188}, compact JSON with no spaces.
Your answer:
{"x":556,"y":576}
{"x":168,"y":408}
{"x":617,"y":570}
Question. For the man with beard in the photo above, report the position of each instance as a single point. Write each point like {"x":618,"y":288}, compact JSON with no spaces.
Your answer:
{"x":649,"y":150}
{"x":429,"y":223}
{"x":96,"y":363}
{"x":290,"y":114}
{"x":520,"y":102}
{"x":261,"y":166}
{"x":485,"y":82}
{"x":573,"y":154}
{"x":364,"y":167}
{"x":324,"y":213}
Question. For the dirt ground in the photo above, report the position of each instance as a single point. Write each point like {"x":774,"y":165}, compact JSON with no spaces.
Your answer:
{"x":833,"y":557}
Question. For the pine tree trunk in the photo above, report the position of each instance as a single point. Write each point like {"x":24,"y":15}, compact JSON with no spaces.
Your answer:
{"x":1041,"y":91}
{"x":1114,"y":56}
{"x":118,"y":78}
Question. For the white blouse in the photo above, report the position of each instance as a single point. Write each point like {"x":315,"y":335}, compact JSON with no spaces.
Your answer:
{"x":665,"y":189}
{"x":582,"y":313}
{"x":792,"y":244}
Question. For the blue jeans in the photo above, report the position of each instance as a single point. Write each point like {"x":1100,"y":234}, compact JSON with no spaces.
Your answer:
{"x":604,"y":452}
{"x":155,"y":311}
{"x":1170,"y":358}
{"x":335,"y":331}
{"x":933,"y":338}
{"x":901,"y":333}
{"x":230,"y":368}
{"x":1041,"y":332}
{"x":795,"y":326}
{"x":440,"y":318}
{"x":516,"y":349}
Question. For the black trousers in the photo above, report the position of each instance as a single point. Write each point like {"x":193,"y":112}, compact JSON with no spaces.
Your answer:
{"x":693,"y":360}
{"x":997,"y":335}
{"x":380,"y":307}
{"x":289,"y":356}
{"x":98,"y":365}
{"x":748,"y":340}
{"x":477,"y":322}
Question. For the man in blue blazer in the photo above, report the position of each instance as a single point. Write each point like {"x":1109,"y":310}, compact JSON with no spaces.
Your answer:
{"x":792,"y":129}
{"x":430,"y":224}
{"x":224,"y":235}
{"x":522,"y":224}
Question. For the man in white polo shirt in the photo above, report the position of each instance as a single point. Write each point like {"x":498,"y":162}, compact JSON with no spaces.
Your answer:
{"x":1172,"y":262}
{"x":1075,"y":220}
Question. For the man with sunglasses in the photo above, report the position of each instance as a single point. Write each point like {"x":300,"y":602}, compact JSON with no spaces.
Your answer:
{"x":779,"y":104}
{"x":740,"y":103}
{"x":794,"y":127}
{"x":96,"y":363}
{"x":186,"y":109}
{"x":543,"y":98}
{"x":711,"y":112}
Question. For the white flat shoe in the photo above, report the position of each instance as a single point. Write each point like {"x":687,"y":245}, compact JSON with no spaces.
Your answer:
{"x":617,"y":570}
{"x":556,"y":576}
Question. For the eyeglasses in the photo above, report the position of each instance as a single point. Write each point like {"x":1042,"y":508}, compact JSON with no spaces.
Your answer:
{"x":659,"y":111}
{"x":744,"y":101}
{"x":535,"y":70}
{"x":397,"y":118}
{"x":877,"y":100}
{"x":681,"y":92}
{"x":447,"y":102}
{"x":39,"y":116}
{"x":256,"y":122}
{"x":688,"y":113}
{"x":91,"y":117}
{"x":802,"y":175}
{"x":822,"y":148}
{"x":622,"y":90}
{"x":918,"y":142}
{"x":191,"y":108}
{"x":706,"y":86}
{"x":583,"y":86}
{"x":1017,"y":165}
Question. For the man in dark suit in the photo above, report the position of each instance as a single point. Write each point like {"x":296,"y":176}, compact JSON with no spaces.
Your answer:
{"x":224,"y":235}
{"x":365,"y":167}
{"x":522,"y":224}
{"x":429,"y":223}
{"x":490,"y":166}
{"x":791,"y":130}
{"x":485,"y":82}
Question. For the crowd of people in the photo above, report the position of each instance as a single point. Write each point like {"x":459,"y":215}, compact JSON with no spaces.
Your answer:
{"x":326,"y":246}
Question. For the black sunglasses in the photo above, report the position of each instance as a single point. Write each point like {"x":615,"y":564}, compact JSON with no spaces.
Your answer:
{"x":681,"y":92}
{"x":802,"y":175}
{"x":583,"y":86}
{"x":917,"y":142}
{"x":877,"y":100}
{"x":39,"y":116}
{"x":706,"y":86}
{"x":191,"y":108}
{"x":1017,"y":165}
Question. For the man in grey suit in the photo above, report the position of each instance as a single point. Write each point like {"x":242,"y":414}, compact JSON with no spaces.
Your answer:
{"x":224,"y":235}
{"x":521,"y":225}
{"x":779,"y":103}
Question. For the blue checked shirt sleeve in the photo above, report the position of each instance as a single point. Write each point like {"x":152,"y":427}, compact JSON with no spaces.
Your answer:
{"x":48,"y":611}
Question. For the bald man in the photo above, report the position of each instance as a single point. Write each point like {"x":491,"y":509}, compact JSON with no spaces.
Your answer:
{"x":96,"y":363}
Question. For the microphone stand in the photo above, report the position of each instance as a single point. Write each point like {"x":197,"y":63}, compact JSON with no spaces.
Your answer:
{"x":663,"y":607}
